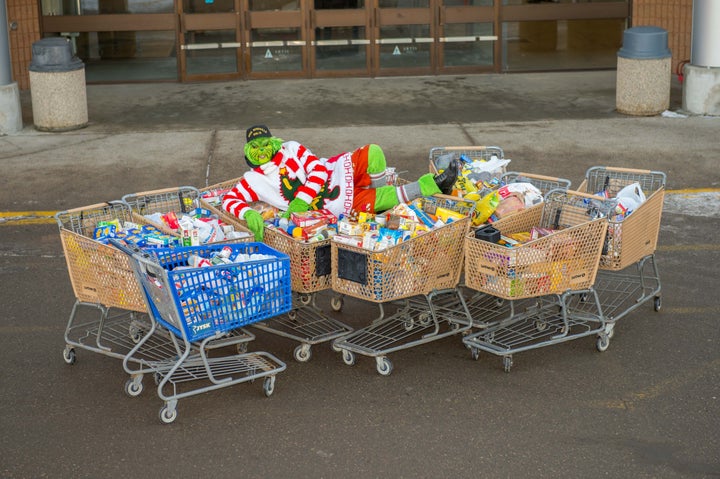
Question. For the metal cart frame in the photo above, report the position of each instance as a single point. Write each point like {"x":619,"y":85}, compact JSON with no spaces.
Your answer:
{"x":172,"y":293}
{"x":424,"y":271}
{"x":306,"y":323}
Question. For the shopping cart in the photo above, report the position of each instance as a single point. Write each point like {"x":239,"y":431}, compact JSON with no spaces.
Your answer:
{"x":109,"y":316}
{"x":310,"y":274}
{"x":201,"y":304}
{"x":419,"y":275}
{"x":537,"y":280}
{"x":152,"y":206}
{"x":440,"y":156}
{"x":628,"y":276}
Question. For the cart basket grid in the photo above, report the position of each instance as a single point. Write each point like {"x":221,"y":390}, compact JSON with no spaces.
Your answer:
{"x":99,"y":273}
{"x":566,"y":259}
{"x":430,"y":261}
{"x":309,"y":262}
{"x":199,"y":302}
{"x":634,"y":237}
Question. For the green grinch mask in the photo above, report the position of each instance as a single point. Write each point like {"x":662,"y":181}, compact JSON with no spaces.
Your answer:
{"x":261,"y":150}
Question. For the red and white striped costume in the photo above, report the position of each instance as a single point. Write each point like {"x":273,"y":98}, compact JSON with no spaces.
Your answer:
{"x":295,"y":172}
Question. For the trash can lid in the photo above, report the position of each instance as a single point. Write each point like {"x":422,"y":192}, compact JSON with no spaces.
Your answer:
{"x":54,"y":54}
{"x":645,"y":43}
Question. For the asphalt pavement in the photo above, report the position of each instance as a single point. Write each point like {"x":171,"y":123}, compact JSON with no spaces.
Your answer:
{"x":648,"y":407}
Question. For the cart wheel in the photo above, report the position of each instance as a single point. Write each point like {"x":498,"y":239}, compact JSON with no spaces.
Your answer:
{"x":133,"y":387}
{"x":408,"y":324}
{"x":541,"y":325}
{"x":157,"y":377}
{"x":507,"y":363}
{"x":499,"y":302}
{"x":348,"y":357}
{"x":269,"y":386}
{"x":474,"y":353}
{"x":603,"y":342}
{"x":302,"y":353}
{"x":384,"y":366}
{"x":136,"y":333}
{"x":242,"y":348}
{"x":425,"y":319}
{"x":336,"y":302}
{"x":305,"y":299}
{"x":657,"y":304}
{"x":69,"y":355}
{"x":292,"y":315}
{"x":167,"y":415}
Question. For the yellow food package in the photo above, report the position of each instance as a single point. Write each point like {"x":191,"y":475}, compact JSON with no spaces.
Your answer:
{"x":486,"y":207}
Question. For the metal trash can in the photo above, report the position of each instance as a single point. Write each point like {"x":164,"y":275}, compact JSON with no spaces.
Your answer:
{"x":57,"y":86}
{"x":643,"y":72}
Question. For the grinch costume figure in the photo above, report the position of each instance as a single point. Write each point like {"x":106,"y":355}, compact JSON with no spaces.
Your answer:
{"x":288,"y":176}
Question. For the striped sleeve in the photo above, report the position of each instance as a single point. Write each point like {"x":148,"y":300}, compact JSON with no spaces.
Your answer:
{"x":317,"y":174}
{"x":236,"y":200}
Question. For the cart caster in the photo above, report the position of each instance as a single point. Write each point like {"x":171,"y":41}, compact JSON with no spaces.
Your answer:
{"x":384,"y":366}
{"x":302,"y":353}
{"x":157,"y":377}
{"x":474,"y":353}
{"x":336,"y":303}
{"x":242,"y":348}
{"x":305,"y":299}
{"x":292,"y":315}
{"x":454,"y":326}
{"x":408,"y":324}
{"x":136,"y":332}
{"x":657,"y":303}
{"x":507,"y":363}
{"x":134,"y":386}
{"x":603,"y":342}
{"x":167,"y":414}
{"x":610,"y":330}
{"x":269,"y":386}
{"x":69,"y":355}
{"x":425,"y":319}
{"x":348,"y":357}
{"x":541,"y":325}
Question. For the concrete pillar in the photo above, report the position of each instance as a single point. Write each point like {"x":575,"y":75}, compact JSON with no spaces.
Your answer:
{"x":701,"y":85}
{"x":10,"y":108}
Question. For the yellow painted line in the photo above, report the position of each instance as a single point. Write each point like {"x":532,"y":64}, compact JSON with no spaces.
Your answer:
{"x":674,"y":383}
{"x":27,"y":217}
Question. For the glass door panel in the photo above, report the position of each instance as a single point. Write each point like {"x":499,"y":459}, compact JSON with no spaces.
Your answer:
{"x":467,"y":39}
{"x":405,"y":31}
{"x":341,"y":37}
{"x":209,"y":40}
{"x":276,"y":39}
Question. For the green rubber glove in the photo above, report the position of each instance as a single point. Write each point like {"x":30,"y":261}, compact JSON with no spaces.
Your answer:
{"x":255,"y":223}
{"x":296,"y":206}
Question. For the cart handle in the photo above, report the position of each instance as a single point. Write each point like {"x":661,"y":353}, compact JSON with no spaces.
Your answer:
{"x":222,"y":184}
{"x":627,"y":170}
{"x":584,"y":195}
{"x":156,"y":192}
{"x":81,"y":209}
{"x":454,"y":148}
{"x":543,"y":177}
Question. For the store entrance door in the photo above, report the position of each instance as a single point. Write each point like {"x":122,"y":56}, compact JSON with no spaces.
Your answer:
{"x":209,"y":40}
